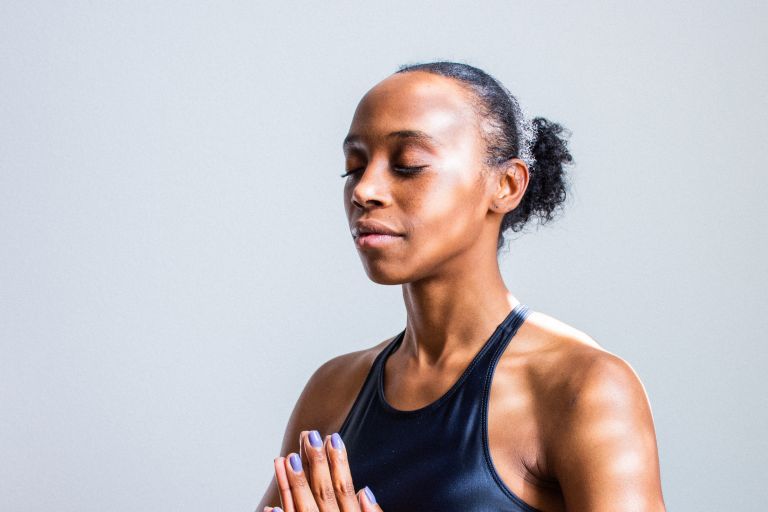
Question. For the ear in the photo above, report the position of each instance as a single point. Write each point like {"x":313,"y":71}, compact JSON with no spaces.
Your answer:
{"x":511,"y":183}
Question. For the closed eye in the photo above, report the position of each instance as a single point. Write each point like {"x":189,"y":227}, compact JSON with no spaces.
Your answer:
{"x":400,"y":169}
{"x":410,"y":170}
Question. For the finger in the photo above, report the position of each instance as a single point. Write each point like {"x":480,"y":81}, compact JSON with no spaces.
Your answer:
{"x":303,"y":453}
{"x":367,"y":500}
{"x":317,"y":471}
{"x":283,"y":485}
{"x":340,"y":473}
{"x":303,"y":499}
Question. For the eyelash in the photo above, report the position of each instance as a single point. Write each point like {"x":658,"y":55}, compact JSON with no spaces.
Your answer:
{"x":406,"y":171}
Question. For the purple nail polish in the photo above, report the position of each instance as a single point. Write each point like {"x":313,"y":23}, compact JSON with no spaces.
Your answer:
{"x":315,"y":440}
{"x":277,"y":509}
{"x":369,"y":495}
{"x":336,"y":441}
{"x":295,"y":462}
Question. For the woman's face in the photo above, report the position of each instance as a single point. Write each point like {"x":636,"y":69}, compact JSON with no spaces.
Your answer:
{"x":416,"y":155}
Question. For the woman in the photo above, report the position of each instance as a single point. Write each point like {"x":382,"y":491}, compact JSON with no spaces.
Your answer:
{"x":479,"y":404}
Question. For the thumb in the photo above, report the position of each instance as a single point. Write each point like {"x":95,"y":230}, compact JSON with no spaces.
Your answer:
{"x":367,"y":500}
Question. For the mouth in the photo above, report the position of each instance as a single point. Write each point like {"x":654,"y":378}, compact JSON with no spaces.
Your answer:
{"x":372,"y":233}
{"x":376,"y":240}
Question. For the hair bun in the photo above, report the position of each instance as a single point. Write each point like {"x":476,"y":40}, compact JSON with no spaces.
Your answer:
{"x":547,"y":183}
{"x":550,"y":145}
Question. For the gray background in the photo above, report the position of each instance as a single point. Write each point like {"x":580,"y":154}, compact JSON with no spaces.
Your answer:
{"x":176,"y":260}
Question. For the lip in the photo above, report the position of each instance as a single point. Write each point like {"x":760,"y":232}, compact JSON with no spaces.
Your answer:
{"x":367,"y":226}
{"x":371,"y":240}
{"x":370,"y":233}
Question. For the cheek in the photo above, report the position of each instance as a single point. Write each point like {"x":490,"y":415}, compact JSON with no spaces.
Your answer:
{"x":446,"y":212}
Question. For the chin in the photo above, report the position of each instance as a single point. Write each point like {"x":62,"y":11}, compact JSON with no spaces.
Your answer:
{"x":386,"y":274}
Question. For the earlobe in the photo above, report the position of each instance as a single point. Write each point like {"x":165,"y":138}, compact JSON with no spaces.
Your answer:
{"x":499,"y":207}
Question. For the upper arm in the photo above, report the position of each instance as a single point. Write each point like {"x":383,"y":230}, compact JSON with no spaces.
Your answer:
{"x":605,"y":454}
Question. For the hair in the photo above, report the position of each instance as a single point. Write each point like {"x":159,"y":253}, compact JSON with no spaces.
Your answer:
{"x":540,"y":143}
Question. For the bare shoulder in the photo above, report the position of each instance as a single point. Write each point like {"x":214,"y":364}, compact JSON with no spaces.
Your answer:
{"x":324,"y":402}
{"x":598,"y":440}
{"x":568,"y":362}
{"x":330,"y":392}
{"x":336,"y":384}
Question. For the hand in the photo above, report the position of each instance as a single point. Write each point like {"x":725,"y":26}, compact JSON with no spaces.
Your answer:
{"x":319,"y":480}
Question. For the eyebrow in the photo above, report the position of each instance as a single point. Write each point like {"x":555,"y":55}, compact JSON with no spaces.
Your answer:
{"x":415,"y":135}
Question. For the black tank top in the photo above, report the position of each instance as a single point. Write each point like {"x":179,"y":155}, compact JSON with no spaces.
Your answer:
{"x":435,"y":458}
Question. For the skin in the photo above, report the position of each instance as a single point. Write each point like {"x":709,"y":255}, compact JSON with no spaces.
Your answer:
{"x":323,"y":482}
{"x":584,"y":438}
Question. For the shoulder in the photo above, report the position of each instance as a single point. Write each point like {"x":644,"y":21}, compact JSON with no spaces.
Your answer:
{"x":325,"y":401}
{"x":572,"y":367}
{"x":599,"y":436}
{"x":329,"y":393}
{"x":338,"y":381}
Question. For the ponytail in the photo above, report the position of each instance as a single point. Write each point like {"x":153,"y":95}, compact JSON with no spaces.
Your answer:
{"x":548,"y":184}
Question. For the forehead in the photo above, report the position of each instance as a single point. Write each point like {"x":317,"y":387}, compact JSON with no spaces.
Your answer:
{"x":419,"y":101}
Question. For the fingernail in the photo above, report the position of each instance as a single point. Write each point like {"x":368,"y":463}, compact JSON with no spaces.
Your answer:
{"x":336,"y":441}
{"x":295,"y":462}
{"x":315,"y":440}
{"x":369,"y":495}
{"x":277,"y":509}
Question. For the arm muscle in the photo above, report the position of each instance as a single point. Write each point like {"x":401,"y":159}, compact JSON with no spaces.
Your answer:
{"x":605,"y":455}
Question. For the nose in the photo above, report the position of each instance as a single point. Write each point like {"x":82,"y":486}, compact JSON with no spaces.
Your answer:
{"x":372,"y":187}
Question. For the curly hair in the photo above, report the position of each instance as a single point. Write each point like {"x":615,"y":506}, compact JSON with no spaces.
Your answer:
{"x":541,"y":143}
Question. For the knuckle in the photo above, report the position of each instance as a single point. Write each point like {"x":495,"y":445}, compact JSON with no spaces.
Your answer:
{"x":315,"y":456}
{"x":326,"y":494}
{"x":344,"y":488}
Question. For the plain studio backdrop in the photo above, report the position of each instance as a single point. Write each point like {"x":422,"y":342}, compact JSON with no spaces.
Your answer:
{"x":176,"y":260}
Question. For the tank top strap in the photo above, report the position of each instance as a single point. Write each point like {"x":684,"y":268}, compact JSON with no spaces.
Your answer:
{"x":484,"y":362}
{"x":493,"y":347}
{"x":468,"y":388}
{"x":467,"y":391}
{"x":507,"y":331}
{"x":369,"y":390}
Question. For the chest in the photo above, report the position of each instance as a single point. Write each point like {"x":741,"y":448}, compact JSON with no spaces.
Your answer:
{"x":460,"y":440}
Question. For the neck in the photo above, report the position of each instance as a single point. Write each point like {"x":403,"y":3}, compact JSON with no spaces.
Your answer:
{"x":451,"y":314}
